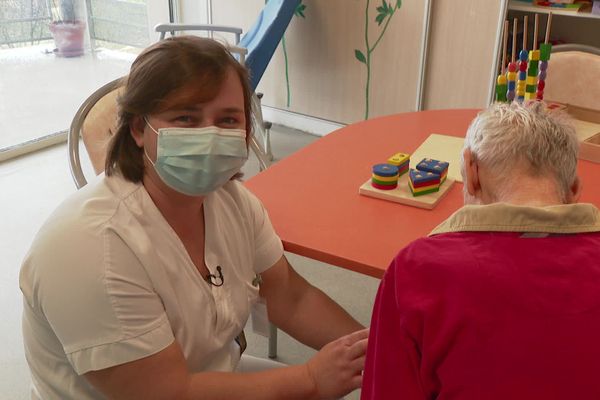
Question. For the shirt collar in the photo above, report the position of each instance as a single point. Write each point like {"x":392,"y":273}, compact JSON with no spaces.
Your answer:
{"x":503,"y":217}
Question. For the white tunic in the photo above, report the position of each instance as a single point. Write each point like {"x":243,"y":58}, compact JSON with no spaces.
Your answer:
{"x":107,"y":281}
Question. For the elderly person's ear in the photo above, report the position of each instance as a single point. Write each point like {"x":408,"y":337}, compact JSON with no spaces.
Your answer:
{"x":575,"y":191}
{"x":471,"y":178}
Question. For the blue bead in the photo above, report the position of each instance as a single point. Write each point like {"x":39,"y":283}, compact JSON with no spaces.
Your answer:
{"x":512,"y":85}
{"x":523,"y":55}
{"x":522,"y":75}
{"x":510,"y":95}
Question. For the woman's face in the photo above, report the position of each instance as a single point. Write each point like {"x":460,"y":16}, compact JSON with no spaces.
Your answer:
{"x":225,"y":110}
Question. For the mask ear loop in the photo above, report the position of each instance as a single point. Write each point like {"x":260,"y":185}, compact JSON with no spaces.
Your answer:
{"x":153,"y":130}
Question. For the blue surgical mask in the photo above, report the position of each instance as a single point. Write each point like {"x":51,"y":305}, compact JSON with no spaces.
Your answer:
{"x":197,"y":161}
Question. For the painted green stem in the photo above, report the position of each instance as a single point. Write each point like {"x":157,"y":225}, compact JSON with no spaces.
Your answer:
{"x":368,"y":61}
{"x":371,"y":49}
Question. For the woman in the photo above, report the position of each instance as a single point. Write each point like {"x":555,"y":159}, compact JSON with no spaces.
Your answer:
{"x":138,"y":285}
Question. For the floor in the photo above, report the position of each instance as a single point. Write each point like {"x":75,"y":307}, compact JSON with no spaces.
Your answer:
{"x":33,"y":185}
{"x":55,"y":88}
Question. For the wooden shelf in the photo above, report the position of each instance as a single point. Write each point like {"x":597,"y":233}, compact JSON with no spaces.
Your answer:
{"x":515,"y":5}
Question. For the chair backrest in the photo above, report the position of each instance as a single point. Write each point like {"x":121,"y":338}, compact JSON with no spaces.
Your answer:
{"x":95,"y":122}
{"x":574,"y":78}
{"x":264,"y":36}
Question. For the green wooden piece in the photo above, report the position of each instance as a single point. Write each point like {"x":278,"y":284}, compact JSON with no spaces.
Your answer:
{"x":530,"y":89}
{"x":545,"y":50}
{"x":501,"y":92}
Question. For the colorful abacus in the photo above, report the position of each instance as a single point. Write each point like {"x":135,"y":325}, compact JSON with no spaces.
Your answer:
{"x":529,"y":81}
{"x":385,"y":177}
{"x":400,"y":160}
{"x":545,"y":50}
{"x":523,"y":55}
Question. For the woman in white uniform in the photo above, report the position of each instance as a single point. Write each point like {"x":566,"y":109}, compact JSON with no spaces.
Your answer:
{"x":139,"y":284}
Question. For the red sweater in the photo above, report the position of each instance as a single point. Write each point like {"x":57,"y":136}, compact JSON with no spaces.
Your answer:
{"x":484,"y":315}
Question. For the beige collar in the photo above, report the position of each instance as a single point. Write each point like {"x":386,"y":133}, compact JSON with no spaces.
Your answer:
{"x":503,"y":217}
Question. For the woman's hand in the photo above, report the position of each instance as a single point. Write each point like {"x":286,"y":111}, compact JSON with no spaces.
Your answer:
{"x":336,"y":370}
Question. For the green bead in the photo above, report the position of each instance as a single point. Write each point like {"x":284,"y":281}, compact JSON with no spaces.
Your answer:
{"x":501,"y":92}
{"x":534,"y":63}
{"x":532,"y":71}
{"x":545,"y":50}
{"x":530,"y":89}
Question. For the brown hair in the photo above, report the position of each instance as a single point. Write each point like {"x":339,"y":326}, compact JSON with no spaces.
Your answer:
{"x":158,"y":71}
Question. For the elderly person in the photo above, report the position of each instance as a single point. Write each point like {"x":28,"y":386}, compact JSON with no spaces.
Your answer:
{"x":502,"y":300}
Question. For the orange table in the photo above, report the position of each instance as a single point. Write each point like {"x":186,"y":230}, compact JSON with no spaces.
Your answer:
{"x":313,"y":201}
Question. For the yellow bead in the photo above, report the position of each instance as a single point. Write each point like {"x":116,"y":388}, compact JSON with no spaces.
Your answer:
{"x":512,"y":76}
{"x":529,"y":96}
{"x":534,"y":55}
{"x":521,"y":85}
{"x":501,"y":80}
{"x":531,"y":80}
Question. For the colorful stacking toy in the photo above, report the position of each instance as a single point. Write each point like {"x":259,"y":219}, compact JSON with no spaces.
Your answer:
{"x":511,"y":75}
{"x":434,"y":166}
{"x":385,"y":176}
{"x":421,"y":182}
{"x":527,"y":79}
{"x":545,"y":50}
{"x":523,"y":55}
{"x":400,"y":160}
{"x":501,"y":81}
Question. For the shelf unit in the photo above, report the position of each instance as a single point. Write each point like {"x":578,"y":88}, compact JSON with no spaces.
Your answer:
{"x":515,"y":5}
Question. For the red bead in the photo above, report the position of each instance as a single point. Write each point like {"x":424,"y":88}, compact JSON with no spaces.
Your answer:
{"x":541,"y":85}
{"x":539,"y":95}
{"x":522,"y":66}
{"x":512,"y":67}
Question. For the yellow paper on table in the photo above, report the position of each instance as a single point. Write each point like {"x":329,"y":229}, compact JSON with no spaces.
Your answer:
{"x":585,"y":129}
{"x":442,"y":148}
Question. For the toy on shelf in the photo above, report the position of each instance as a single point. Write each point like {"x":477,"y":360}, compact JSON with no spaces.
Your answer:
{"x":545,"y":50}
{"x":384,"y":177}
{"x":501,"y":85}
{"x":400,"y":160}
{"x":526,"y":79}
{"x":532,"y":68}
{"x":434,"y":166}
{"x":523,"y":55}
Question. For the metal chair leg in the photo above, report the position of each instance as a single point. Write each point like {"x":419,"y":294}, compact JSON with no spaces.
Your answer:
{"x":272,"y":341}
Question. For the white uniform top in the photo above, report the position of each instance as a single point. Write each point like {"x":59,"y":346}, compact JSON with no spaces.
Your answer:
{"x":107,"y":281}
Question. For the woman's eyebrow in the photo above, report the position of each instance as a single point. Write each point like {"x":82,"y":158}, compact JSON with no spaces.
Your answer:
{"x":233,"y":110}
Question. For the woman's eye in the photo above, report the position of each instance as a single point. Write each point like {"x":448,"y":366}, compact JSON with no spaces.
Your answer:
{"x":229,"y":121}
{"x":184,"y":119}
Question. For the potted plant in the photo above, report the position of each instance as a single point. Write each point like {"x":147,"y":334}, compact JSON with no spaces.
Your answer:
{"x":68,"y":27}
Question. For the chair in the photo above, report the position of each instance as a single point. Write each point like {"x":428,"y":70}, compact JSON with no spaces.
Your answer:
{"x":260,"y":41}
{"x":574,"y":76}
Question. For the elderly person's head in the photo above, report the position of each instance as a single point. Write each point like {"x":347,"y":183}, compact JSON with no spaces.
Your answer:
{"x":521,"y":154}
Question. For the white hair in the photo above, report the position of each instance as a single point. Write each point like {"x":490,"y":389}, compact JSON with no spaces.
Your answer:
{"x":506,"y":135}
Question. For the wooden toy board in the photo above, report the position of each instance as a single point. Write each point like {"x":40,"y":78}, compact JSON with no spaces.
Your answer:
{"x":403,"y":195}
{"x":443,"y":148}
